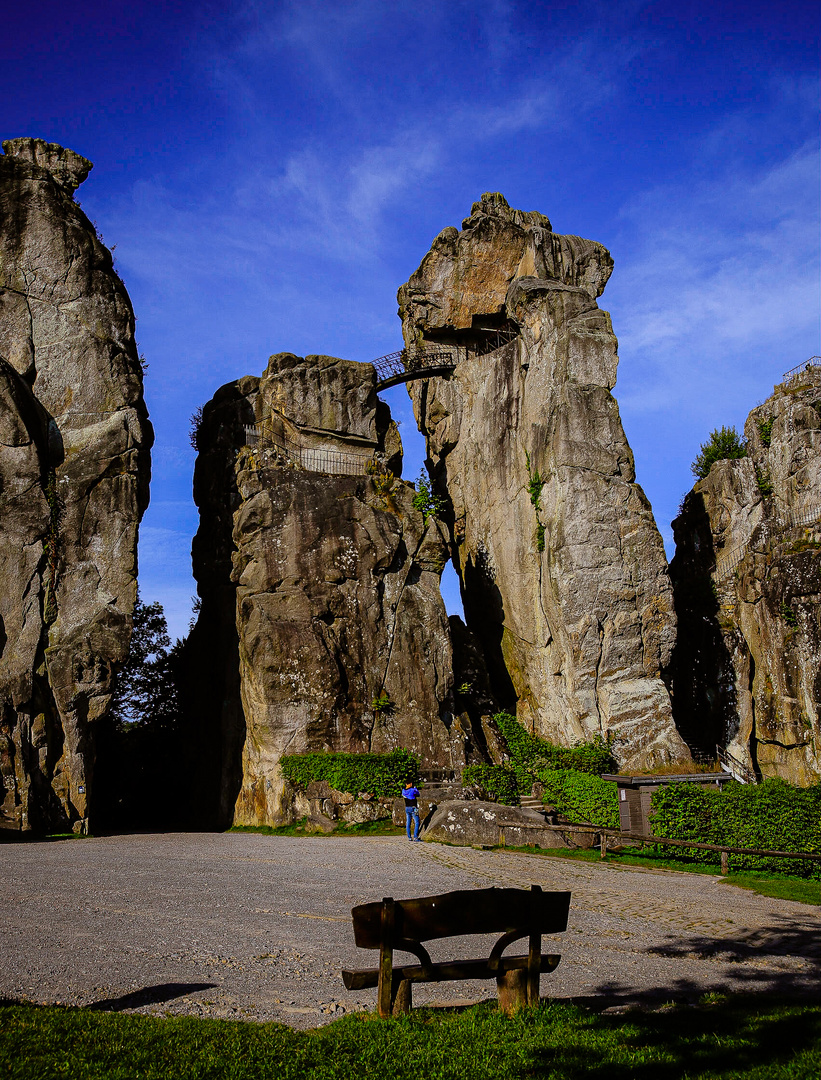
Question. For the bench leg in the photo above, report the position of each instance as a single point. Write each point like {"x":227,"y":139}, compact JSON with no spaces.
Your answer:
{"x":512,"y":988}
{"x":402,"y":997}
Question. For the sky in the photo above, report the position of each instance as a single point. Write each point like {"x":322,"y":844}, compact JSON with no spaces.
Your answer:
{"x":268,"y":174}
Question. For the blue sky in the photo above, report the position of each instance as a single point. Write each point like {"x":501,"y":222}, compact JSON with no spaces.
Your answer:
{"x":270,"y":173}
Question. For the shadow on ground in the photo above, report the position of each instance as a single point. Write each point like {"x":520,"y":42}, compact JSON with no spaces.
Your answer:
{"x":149,"y":995}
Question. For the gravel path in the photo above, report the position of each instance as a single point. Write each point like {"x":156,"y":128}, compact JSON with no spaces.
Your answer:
{"x":258,"y":927}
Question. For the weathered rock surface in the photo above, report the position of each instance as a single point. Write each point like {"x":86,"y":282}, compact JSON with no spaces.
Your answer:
{"x":320,"y":591}
{"x":563,"y":570}
{"x":747,"y":572}
{"x":74,"y":471}
{"x":489,"y":824}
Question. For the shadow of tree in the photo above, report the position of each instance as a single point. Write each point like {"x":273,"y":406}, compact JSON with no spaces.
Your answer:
{"x":148,"y":995}
{"x":724,"y":1039}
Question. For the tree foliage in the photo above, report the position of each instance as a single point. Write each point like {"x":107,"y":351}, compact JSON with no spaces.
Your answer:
{"x":724,"y":444}
{"x":146,"y":691}
{"x":425,"y":500}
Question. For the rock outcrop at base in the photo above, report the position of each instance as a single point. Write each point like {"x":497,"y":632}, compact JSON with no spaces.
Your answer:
{"x":489,"y":824}
{"x":74,"y":471}
{"x":747,"y":573}
{"x":322,"y":626}
{"x":563,"y":572}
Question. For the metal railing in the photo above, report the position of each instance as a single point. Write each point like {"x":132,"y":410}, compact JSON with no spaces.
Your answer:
{"x":407,"y":364}
{"x":808,"y":365}
{"x":311,"y":458}
{"x":728,"y":561}
{"x":737,"y":769}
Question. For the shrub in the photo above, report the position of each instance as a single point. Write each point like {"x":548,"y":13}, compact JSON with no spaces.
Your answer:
{"x":379,"y":774}
{"x":425,"y":501}
{"x":772,"y":815}
{"x":497,"y":782}
{"x":581,"y":796}
{"x":724,"y":443}
{"x":533,"y":752}
{"x":765,"y":430}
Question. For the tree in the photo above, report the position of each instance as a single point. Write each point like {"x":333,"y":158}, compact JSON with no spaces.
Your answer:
{"x":146,"y":691}
{"x":724,"y":443}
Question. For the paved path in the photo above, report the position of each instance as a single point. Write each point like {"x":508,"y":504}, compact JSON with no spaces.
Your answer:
{"x":253,"y":926}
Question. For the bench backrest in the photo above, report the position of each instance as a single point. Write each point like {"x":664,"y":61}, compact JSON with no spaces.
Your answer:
{"x":473,"y":911}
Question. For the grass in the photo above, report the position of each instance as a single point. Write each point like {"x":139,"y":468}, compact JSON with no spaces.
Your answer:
{"x":780,"y":886}
{"x":748,"y":1037}
{"x":302,"y":828}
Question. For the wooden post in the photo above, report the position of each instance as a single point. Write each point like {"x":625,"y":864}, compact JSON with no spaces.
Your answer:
{"x":385,"y":985}
{"x":534,"y":960}
{"x":403,"y":997}
{"x":512,"y":989}
{"x":604,"y":845}
{"x":725,"y":862}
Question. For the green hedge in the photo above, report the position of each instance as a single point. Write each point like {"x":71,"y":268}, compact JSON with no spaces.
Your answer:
{"x":581,"y":797}
{"x":378,"y":774}
{"x":772,"y":815}
{"x":530,"y":751}
{"x":498,"y":782}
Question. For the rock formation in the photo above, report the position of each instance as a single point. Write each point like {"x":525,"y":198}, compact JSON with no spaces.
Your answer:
{"x":322,"y":626}
{"x":74,"y":470}
{"x":747,"y":573}
{"x":563,"y":572}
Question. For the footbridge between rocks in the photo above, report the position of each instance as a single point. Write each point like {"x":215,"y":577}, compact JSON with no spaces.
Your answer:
{"x":432,"y":359}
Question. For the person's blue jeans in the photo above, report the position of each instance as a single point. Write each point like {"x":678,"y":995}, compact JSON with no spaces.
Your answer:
{"x":412,"y":814}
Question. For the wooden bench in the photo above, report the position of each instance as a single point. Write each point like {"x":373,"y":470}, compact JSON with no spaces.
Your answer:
{"x":404,"y":924}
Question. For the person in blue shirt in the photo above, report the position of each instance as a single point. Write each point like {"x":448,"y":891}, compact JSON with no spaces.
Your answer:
{"x":411,"y":794}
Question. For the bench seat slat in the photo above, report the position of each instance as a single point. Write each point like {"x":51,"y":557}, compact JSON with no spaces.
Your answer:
{"x":446,"y":972}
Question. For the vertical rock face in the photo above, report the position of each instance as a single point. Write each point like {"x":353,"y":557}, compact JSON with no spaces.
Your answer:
{"x":74,"y":471}
{"x":321,"y":609}
{"x":747,"y":572}
{"x":563,"y":571}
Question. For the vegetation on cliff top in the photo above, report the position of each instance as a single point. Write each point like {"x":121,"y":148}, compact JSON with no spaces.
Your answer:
{"x":724,"y":443}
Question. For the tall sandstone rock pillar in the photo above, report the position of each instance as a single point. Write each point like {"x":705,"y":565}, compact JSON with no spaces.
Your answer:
{"x":74,"y":472}
{"x":747,"y":573}
{"x":563,"y":572}
{"x":322,"y":626}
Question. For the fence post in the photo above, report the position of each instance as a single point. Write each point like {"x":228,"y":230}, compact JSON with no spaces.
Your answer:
{"x":725,"y":863}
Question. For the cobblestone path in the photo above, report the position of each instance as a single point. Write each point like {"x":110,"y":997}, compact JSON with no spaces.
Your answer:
{"x":252,"y":926}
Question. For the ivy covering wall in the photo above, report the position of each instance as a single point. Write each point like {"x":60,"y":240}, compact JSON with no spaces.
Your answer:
{"x":377,"y":774}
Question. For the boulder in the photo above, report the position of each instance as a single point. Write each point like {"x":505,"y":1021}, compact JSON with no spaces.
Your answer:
{"x":74,"y":472}
{"x":563,"y":571}
{"x":489,"y":824}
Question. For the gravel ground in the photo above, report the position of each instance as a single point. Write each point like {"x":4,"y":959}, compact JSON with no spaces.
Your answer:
{"x":258,"y":927}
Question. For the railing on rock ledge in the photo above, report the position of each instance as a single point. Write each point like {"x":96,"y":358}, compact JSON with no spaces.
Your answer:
{"x":311,"y":458}
{"x":808,"y":365}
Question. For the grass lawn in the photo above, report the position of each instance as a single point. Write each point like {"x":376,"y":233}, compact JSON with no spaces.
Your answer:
{"x":719,"y":1039}
{"x":302,"y":828}
{"x":780,"y":886}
